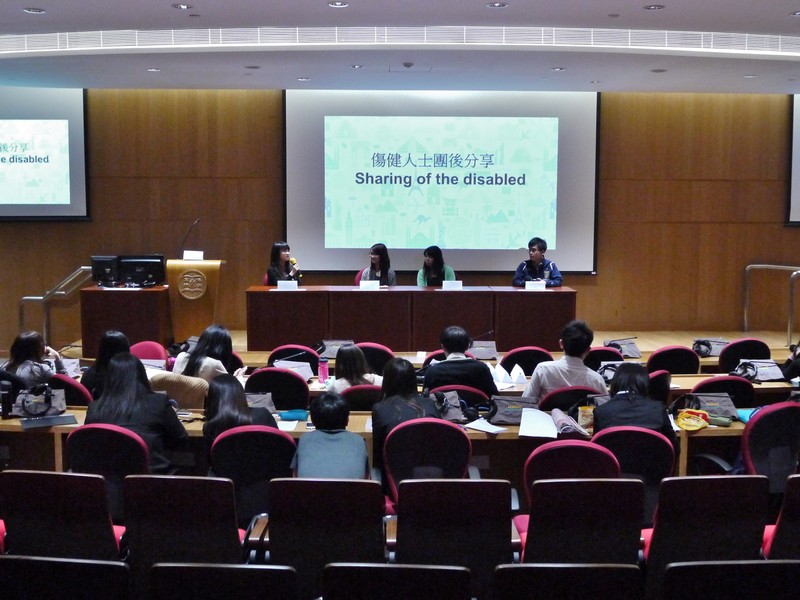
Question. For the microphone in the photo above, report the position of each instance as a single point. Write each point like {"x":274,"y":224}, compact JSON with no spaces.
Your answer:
{"x":186,"y":237}
{"x":293,"y":262}
{"x":484,"y":334}
{"x":292,"y":356}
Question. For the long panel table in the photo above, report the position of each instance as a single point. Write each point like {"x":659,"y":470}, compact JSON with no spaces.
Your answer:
{"x":406,"y":318}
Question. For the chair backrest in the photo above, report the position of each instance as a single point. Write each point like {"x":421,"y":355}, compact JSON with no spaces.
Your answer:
{"x":567,"y":581}
{"x":357,"y":278}
{"x":743,"y":348}
{"x":773,"y":579}
{"x":150,"y":350}
{"x":251,"y":456}
{"x":526,"y":357}
{"x":17,"y":383}
{"x":377,"y":355}
{"x":74,"y":392}
{"x":437,"y":355}
{"x":295,"y":352}
{"x":783,"y":540}
{"x":472,"y":396}
{"x":705,"y":518}
{"x":188,"y":392}
{"x":366,"y":581}
{"x":189,"y":581}
{"x":565,"y":397}
{"x":62,"y":515}
{"x":306,"y":537}
{"x":464,"y":522}
{"x":675,"y":359}
{"x":425,"y":448}
{"x":362,"y":397}
{"x":658,"y":386}
{"x":289,"y":390}
{"x":600,"y":354}
{"x":741,"y":391}
{"x":48,"y":578}
{"x":569,"y":459}
{"x":771,"y":443}
{"x":111,"y":451}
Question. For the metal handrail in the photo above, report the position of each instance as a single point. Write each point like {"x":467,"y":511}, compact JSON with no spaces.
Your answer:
{"x":792,"y":278}
{"x":68,"y":285}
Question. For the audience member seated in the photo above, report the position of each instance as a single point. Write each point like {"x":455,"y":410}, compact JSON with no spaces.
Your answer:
{"x":576,"y":340}
{"x":401,"y":402}
{"x":128,"y":401}
{"x":28,"y":357}
{"x":330,"y":451}
{"x":227,"y":408}
{"x":630,"y":404}
{"x":112,"y":343}
{"x":352,"y":369}
{"x":458,"y":368}
{"x":212,"y":356}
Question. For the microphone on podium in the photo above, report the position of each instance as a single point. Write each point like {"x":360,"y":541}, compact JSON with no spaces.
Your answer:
{"x":293,"y":262}
{"x":186,"y":237}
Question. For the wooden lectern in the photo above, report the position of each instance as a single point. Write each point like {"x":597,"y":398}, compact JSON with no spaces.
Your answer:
{"x":193,"y":287}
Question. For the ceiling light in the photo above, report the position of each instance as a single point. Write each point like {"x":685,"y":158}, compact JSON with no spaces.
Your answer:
{"x":658,"y":70}
{"x":254,"y":67}
{"x":182,"y":6}
{"x":153,"y":70}
{"x":496,"y":5}
{"x":356,"y":66}
{"x":750,"y":76}
{"x":596,"y":82}
{"x":304,"y":79}
{"x":338,"y":4}
{"x":34,"y":11}
{"x":795,"y":13}
{"x":558,"y":68}
{"x":654,"y":7}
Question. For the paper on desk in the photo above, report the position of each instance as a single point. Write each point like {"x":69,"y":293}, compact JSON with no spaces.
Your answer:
{"x":484,"y":425}
{"x":536,"y":423}
{"x":287,"y":425}
{"x":301,"y":368}
{"x":503,"y":385}
{"x":500,"y":375}
{"x":518,"y":375}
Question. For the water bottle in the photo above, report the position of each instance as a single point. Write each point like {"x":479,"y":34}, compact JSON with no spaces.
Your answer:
{"x":6,"y":400}
{"x":323,"y":370}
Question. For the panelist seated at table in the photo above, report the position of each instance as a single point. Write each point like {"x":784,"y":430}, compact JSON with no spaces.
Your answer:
{"x":352,"y":369}
{"x":282,"y":267}
{"x":433,"y":270}
{"x":129,"y":402}
{"x":537,"y":267}
{"x":550,"y":375}
{"x":630,"y":405}
{"x":380,"y":267}
{"x":211,"y":356}
{"x":29,"y":357}
{"x":458,"y":368}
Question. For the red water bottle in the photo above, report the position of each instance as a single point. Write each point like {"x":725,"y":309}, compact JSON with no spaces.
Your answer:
{"x":323,"y":370}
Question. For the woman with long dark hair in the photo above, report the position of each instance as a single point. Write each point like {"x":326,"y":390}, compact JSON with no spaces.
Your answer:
{"x":352,"y":369}
{"x":380,"y":267}
{"x":227,"y":408}
{"x":280,"y":265}
{"x":112,"y":343}
{"x":211,"y":356}
{"x":434,"y":271}
{"x":28,"y":355}
{"x":128,"y":401}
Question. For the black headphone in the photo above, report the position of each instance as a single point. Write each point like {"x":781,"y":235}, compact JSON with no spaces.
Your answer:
{"x":747,"y":370}
{"x":702,"y":348}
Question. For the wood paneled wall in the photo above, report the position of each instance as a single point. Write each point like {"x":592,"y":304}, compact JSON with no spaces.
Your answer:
{"x":692,"y":188}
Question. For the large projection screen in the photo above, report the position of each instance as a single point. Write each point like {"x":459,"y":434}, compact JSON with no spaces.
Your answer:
{"x":42,"y":154}
{"x":476,"y":173}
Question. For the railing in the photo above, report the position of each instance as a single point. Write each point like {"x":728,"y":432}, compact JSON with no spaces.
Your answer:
{"x":68,"y":285}
{"x":792,"y":278}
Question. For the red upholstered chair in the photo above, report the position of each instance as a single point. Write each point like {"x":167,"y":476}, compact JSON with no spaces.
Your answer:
{"x":565,"y":397}
{"x":190,"y":581}
{"x":439,"y":355}
{"x":782,"y":540}
{"x":600,"y":354}
{"x":111,"y":451}
{"x":362,"y":397}
{"x":773,"y":579}
{"x":567,"y":581}
{"x":151,"y":351}
{"x":472,"y":396}
{"x":377,"y":355}
{"x":364,"y":581}
{"x":47,"y":578}
{"x":743,"y":348}
{"x":526,"y":357}
{"x":422,"y":449}
{"x":57,"y":514}
{"x":658,"y":386}
{"x":741,"y":391}
{"x":2,"y":537}
{"x":644,"y":454}
{"x":357,"y":278}
{"x":295,"y":352}
{"x":74,"y":392}
{"x":251,"y":456}
{"x":675,"y":359}
{"x":289,"y":390}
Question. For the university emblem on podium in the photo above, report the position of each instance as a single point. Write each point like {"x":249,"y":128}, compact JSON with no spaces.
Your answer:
{"x":192,"y":285}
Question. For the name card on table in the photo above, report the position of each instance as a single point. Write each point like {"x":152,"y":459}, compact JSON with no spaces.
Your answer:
{"x":369,"y":285}
{"x":287,"y":285}
{"x":452,"y":285}
{"x":538,"y":285}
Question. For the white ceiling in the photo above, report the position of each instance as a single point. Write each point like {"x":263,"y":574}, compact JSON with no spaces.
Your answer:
{"x":450,"y":44}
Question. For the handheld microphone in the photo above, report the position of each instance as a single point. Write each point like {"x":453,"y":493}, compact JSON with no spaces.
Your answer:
{"x":293,"y":262}
{"x":186,"y":237}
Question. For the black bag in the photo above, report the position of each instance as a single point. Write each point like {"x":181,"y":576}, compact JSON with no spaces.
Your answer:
{"x":759,"y":371}
{"x":39,"y":401}
{"x":708,"y":346}
{"x":507,"y":410}
{"x":715,"y":404}
{"x":450,"y":406}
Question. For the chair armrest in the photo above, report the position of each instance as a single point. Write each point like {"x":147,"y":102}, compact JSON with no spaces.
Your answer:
{"x":375,"y":475}
{"x":709,"y":464}
{"x":473,"y":472}
{"x":256,"y":541}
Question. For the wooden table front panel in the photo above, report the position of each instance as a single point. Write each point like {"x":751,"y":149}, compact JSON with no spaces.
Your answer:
{"x":528,"y":318}
{"x":382,"y":316}
{"x":434,"y":309}
{"x":285,"y":317}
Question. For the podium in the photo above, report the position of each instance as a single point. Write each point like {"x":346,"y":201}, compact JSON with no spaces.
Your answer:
{"x":193,"y":288}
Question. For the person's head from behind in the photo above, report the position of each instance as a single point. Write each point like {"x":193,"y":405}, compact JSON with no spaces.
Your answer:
{"x":576,"y":338}
{"x":126,"y":378}
{"x":434,"y":260}
{"x":225,"y":396}
{"x":329,"y":411}
{"x":351,"y":364}
{"x":536,"y":249}
{"x":379,"y":257}
{"x":112,"y":343}
{"x":399,"y":379}
{"x":215,"y":342}
{"x":630,"y":378}
{"x":279,"y":255}
{"x":455,"y":339}
{"x":28,"y":345}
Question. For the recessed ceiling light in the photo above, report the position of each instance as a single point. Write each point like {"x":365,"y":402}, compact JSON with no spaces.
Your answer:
{"x":496,"y":5}
{"x":304,"y":79}
{"x":254,"y":67}
{"x":596,"y":82}
{"x":356,"y":66}
{"x":153,"y":70}
{"x":338,"y":4}
{"x":613,"y":15}
{"x":654,"y":7}
{"x":751,"y":76}
{"x":181,"y":6}
{"x":34,"y":11}
{"x":658,"y":70}
{"x":558,"y":68}
{"x":795,"y":13}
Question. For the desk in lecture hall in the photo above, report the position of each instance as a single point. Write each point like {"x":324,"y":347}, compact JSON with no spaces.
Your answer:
{"x":406,"y":318}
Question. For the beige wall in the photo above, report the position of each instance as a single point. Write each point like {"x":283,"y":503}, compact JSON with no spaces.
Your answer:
{"x":692,"y":188}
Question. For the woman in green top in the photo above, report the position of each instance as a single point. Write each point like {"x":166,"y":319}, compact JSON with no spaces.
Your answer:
{"x":433,"y":270}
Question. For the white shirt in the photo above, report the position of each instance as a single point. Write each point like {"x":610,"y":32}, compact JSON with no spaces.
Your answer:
{"x":556,"y":374}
